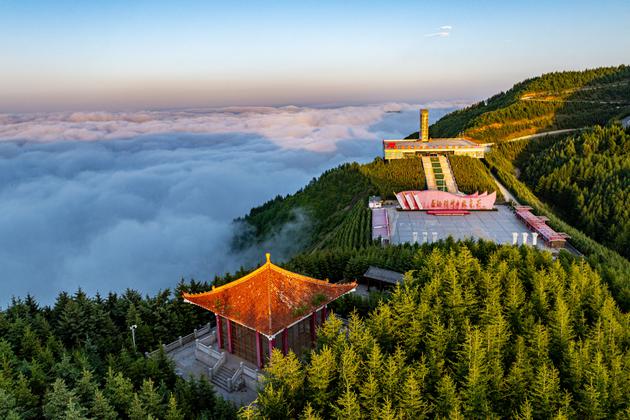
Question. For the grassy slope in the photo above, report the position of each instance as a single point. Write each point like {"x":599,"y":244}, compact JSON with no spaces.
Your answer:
{"x":552,"y":101}
{"x":334,"y":204}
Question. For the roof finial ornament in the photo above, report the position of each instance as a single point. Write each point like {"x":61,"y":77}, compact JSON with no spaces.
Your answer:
{"x":268,"y":255}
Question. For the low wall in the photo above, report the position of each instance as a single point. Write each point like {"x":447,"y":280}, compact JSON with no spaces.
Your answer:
{"x":182,"y":341}
{"x":253,"y":379}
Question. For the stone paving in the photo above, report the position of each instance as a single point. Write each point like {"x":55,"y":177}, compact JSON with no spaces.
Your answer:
{"x":496,"y":226}
{"x":187,"y":366}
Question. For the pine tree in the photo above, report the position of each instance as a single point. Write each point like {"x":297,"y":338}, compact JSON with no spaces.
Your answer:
{"x":85,"y":387}
{"x":101,"y":409}
{"x":447,"y":401}
{"x":474,"y":364}
{"x":119,"y":391}
{"x":286,"y":372}
{"x":412,"y":402}
{"x":172,"y":412}
{"x":150,"y":399}
{"x":8,"y":407}
{"x":331,"y":334}
{"x":561,"y":329}
{"x":525,"y":412}
{"x":24,"y":397}
{"x":394,"y":371}
{"x":273,"y":403}
{"x":321,"y":372}
{"x":310,"y":414}
{"x":347,"y":406}
{"x":370,"y":395}
{"x":545,"y":393}
{"x":387,"y":412}
{"x":375,"y":361}
{"x":518,"y":379}
{"x":349,"y":368}
{"x":57,"y":400}
{"x":136,"y":410}
{"x":359,"y":336}
{"x":74,"y":411}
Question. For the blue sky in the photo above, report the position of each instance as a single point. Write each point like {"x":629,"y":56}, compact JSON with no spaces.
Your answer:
{"x":79,"y":55}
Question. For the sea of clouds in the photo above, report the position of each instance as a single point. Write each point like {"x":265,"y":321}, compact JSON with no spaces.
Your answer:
{"x":109,"y":201}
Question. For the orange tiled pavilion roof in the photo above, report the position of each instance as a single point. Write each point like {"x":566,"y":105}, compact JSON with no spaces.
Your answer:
{"x":269,"y":298}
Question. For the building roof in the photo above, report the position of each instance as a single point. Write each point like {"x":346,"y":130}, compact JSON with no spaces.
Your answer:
{"x":538,"y":223}
{"x":381,"y":274}
{"x":434,"y":143}
{"x":270,"y":298}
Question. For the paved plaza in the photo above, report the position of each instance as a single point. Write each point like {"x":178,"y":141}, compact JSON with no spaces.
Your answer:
{"x":186,"y":366}
{"x":497,"y":226}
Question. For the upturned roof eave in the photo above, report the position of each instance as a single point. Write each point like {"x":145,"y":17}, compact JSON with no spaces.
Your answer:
{"x":269,"y":335}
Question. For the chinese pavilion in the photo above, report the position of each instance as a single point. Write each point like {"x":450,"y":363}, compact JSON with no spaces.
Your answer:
{"x":269,"y":308}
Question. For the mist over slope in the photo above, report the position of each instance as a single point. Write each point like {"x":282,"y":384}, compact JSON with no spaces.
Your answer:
{"x":138,"y":200}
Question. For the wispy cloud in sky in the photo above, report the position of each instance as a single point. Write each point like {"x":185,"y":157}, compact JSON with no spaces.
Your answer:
{"x":444,"y":32}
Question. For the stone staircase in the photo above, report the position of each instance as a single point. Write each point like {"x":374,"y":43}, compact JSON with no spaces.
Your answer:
{"x":438,"y":173}
{"x":428,"y":173}
{"x":220,"y":378}
{"x":449,"y":179}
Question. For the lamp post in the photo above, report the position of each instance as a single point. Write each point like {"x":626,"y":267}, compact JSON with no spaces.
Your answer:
{"x":133,"y":334}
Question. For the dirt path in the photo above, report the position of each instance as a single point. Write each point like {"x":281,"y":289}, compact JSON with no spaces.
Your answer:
{"x":546,"y":133}
{"x":507,"y":195}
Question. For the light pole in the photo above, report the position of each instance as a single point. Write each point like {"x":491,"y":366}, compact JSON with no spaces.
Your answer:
{"x":133,"y":334}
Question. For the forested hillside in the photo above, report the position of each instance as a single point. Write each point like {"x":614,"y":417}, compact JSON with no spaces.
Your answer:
{"x":558,"y":100}
{"x":76,"y":360}
{"x":332,"y":209}
{"x":333,"y":206}
{"x":587,"y":179}
{"x":474,"y":332}
{"x":614,"y":268}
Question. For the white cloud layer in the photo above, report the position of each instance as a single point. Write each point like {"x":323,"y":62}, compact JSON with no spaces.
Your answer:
{"x":289,"y":127}
{"x":109,"y":201}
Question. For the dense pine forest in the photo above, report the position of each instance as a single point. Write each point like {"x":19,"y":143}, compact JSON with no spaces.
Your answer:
{"x":76,"y":360}
{"x":587,"y":179}
{"x":504,"y":162}
{"x":475,"y":331}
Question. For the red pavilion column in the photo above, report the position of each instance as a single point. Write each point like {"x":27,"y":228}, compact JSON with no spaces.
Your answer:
{"x":259,"y":356}
{"x":219,"y":332}
{"x":285,"y":341}
{"x":230,"y":345}
{"x":272,"y":344}
{"x":312,"y":326}
{"x":324,"y":314}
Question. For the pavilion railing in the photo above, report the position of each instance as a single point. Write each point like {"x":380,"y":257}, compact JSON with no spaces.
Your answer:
{"x":253,"y":378}
{"x":234,"y":382}
{"x":182,"y":341}
{"x":210,"y":357}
